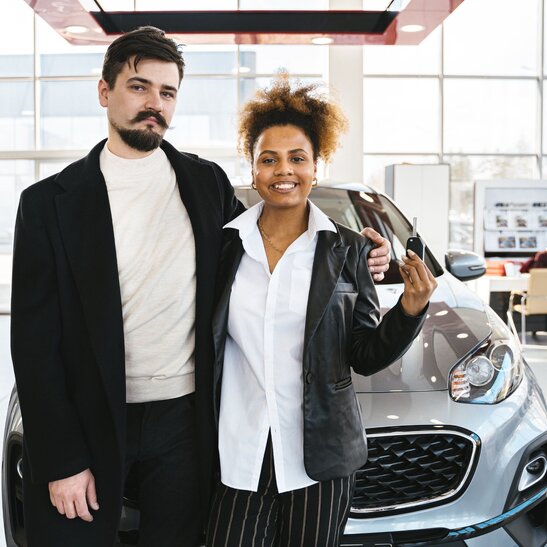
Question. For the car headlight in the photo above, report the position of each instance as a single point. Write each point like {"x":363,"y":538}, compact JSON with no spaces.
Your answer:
{"x":493,"y":372}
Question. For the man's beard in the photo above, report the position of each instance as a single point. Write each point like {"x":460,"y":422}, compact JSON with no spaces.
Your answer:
{"x":143,"y":140}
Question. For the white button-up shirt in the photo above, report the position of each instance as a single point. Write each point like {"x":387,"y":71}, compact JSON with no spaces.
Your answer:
{"x":262,"y":383}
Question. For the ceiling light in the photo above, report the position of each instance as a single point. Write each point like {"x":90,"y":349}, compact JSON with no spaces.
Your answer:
{"x":243,"y":70}
{"x":76,"y":29}
{"x":412,"y":28}
{"x":322,"y":41}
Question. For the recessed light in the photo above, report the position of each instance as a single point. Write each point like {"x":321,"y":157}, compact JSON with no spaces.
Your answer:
{"x":322,"y":41}
{"x":462,"y":335}
{"x":412,"y":28}
{"x":392,"y":417}
{"x":76,"y":29}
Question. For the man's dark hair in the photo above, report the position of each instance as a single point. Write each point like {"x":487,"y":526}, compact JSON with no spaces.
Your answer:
{"x":139,"y":44}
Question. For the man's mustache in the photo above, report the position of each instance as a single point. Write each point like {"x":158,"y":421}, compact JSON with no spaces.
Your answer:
{"x":141,"y":116}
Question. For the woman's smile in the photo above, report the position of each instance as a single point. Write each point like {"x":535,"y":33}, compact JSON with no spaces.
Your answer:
{"x":283,"y":187}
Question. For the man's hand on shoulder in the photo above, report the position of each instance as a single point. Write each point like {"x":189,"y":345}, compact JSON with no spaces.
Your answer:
{"x":380,"y":256}
{"x":71,"y":496}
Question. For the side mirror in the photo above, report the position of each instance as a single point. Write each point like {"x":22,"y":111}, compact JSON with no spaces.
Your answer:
{"x":464,"y":265}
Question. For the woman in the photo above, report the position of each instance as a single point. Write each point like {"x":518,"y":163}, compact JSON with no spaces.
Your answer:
{"x":297,"y":308}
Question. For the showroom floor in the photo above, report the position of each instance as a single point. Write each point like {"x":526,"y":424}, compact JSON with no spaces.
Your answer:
{"x":536,"y":355}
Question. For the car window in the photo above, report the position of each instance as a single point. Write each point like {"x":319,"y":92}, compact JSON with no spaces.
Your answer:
{"x":356,"y":210}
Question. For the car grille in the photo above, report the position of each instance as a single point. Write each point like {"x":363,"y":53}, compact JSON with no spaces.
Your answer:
{"x":411,"y":470}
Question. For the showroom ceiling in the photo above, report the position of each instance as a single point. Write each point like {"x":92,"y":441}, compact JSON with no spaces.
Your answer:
{"x":84,"y":22}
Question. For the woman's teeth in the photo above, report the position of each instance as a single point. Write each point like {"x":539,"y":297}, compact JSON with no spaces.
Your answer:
{"x":284,"y":185}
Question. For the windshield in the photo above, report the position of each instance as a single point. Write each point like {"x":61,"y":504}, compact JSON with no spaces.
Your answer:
{"x":359,"y":209}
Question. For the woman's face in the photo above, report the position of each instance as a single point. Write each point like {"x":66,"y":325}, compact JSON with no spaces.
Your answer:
{"x":283,"y":166}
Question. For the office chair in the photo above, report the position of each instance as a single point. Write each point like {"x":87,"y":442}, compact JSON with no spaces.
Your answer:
{"x":533,"y":302}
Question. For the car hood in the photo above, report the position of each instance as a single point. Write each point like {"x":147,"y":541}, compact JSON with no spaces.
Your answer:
{"x":455,"y":325}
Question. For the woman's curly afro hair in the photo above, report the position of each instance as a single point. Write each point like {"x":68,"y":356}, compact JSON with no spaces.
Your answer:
{"x":293,"y":103}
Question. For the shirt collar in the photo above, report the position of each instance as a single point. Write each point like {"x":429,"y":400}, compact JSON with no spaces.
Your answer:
{"x":246,"y":222}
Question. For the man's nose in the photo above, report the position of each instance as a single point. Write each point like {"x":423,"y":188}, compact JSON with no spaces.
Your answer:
{"x":154,"y":102}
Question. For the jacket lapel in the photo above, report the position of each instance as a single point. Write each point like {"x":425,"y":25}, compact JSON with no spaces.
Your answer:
{"x":199,"y":193}
{"x":232,"y":252}
{"x":329,"y":259}
{"x":86,"y":229}
{"x":200,"y":199}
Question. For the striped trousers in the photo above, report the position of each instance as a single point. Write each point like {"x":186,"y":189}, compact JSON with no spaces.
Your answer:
{"x":309,"y":517}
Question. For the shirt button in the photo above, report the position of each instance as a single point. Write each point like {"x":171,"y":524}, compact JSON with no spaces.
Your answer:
{"x":309,"y":377}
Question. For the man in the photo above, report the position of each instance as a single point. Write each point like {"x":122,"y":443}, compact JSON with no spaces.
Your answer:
{"x":115,"y":262}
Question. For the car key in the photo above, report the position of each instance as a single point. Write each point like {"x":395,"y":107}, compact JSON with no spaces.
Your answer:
{"x":414,"y":243}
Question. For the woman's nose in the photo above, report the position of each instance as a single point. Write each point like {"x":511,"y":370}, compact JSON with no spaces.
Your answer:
{"x":283,"y":167}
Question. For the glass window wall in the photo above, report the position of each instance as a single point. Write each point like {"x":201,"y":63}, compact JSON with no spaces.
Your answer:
{"x":472,"y":95}
{"x":491,"y":115}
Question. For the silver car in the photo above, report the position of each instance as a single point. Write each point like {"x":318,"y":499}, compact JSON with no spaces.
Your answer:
{"x":457,"y":428}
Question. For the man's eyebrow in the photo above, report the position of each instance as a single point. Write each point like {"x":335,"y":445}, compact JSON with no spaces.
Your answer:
{"x":169,"y":88}
{"x":138,"y":79}
{"x":145,"y":81}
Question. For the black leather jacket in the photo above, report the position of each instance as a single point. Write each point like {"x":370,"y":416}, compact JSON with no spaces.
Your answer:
{"x":343,"y":331}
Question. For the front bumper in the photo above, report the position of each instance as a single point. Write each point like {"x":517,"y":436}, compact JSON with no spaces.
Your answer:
{"x":440,"y":536}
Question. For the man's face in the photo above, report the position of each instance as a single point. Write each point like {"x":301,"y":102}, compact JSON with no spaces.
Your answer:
{"x":141,"y":104}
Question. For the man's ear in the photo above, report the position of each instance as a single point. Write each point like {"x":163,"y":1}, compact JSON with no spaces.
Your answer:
{"x":103,"y":90}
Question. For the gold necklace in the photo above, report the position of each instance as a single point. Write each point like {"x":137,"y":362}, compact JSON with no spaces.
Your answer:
{"x":267,"y":238}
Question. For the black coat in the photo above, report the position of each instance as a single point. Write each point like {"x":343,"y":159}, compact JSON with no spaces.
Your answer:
{"x":67,"y":335}
{"x":342,"y":331}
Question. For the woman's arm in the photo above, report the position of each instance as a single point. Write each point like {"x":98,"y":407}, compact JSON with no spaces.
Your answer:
{"x":376,"y":344}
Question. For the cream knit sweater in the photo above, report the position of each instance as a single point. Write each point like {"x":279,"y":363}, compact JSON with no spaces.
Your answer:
{"x":157,"y":271}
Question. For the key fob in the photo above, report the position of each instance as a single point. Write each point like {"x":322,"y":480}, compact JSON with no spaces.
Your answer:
{"x":415,"y":244}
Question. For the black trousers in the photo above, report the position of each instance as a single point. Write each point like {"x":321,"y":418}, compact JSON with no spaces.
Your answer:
{"x":161,"y":459}
{"x":309,"y":517}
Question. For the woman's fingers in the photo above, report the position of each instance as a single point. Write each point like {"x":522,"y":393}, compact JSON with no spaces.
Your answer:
{"x":414,"y":262}
{"x":419,"y":283}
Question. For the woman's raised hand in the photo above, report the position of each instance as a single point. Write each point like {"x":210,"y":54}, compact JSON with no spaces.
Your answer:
{"x":419,"y":284}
